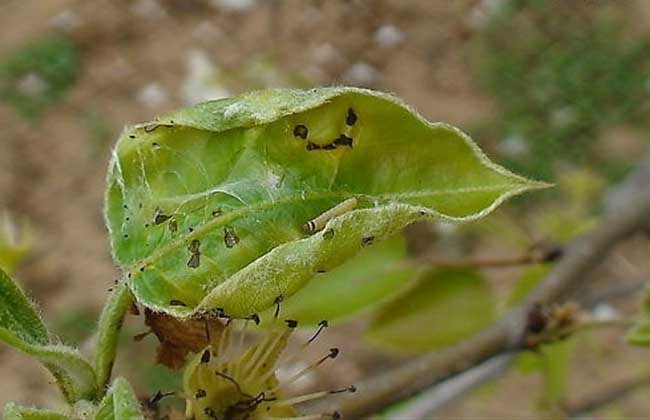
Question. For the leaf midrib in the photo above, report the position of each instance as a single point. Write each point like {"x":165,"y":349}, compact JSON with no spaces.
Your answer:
{"x":264,"y":205}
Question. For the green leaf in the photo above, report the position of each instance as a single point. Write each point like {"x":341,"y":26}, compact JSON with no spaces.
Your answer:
{"x":528,"y":280}
{"x":205,"y":206}
{"x":442,"y":308}
{"x":16,"y":412}
{"x":639,"y":334}
{"x":22,"y":328}
{"x":120,"y":403}
{"x":361,"y":283}
{"x":108,"y":331}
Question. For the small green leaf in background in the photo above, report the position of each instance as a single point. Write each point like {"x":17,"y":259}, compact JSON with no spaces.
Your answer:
{"x":442,"y":308}
{"x":120,"y":403}
{"x":639,"y":334}
{"x":361,"y":283}
{"x":39,"y":74}
{"x":205,"y":206}
{"x":22,"y":329}
{"x":16,"y":412}
{"x":529,"y":279}
{"x":553,"y":362}
{"x":15,"y":242}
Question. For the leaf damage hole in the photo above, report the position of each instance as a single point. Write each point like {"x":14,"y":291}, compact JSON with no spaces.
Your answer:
{"x":342,"y":140}
{"x":351,"y":118}
{"x":301,"y":131}
{"x":367,"y":240}
{"x":195,"y":257}
{"x":230,"y":238}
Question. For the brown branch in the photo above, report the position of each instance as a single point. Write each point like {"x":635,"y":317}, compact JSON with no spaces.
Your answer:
{"x":580,"y":258}
{"x":605,"y":396}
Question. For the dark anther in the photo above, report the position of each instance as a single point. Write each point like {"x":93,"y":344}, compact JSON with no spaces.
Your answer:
{"x":300,"y":131}
{"x":312,"y":146}
{"x":131,"y":136}
{"x":333,"y":353}
{"x":110,"y":289}
{"x":159,"y":396}
{"x":351,"y":118}
{"x":277,"y":302}
{"x":321,"y":271}
{"x":343,"y":140}
{"x":255,"y":318}
{"x":126,"y":235}
{"x":142,"y":269}
{"x":367,"y":240}
{"x":351,"y":388}
{"x":190,"y":230}
{"x":175,"y":302}
{"x":291,"y":323}
{"x":200,"y":393}
{"x":205,"y":357}
{"x":154,"y":144}
{"x":210,"y":413}
{"x":127,"y":218}
{"x":216,"y":213}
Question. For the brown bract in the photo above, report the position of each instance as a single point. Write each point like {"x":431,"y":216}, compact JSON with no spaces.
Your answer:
{"x":179,"y":337}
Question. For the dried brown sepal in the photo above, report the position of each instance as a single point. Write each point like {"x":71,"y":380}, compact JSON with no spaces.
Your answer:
{"x":179,"y":337}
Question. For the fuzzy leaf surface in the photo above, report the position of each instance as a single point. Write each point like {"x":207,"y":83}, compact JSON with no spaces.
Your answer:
{"x":21,"y":328}
{"x":16,"y":412}
{"x":205,"y":206}
{"x":120,"y":403}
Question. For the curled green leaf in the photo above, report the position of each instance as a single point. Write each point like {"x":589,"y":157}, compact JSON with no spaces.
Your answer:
{"x":211,"y":206}
{"x":22,"y":328}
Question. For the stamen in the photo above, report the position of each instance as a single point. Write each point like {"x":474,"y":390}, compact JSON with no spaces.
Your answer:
{"x":224,"y":343}
{"x":269,"y":350}
{"x":331,"y":355}
{"x":234,"y":382}
{"x":277,"y":302}
{"x":159,"y":396}
{"x":313,"y":396}
{"x":321,"y":326}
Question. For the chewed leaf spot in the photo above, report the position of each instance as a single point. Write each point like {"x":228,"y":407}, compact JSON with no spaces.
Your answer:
{"x":160,"y":218}
{"x":343,"y":140}
{"x":367,"y":240}
{"x":194,"y":261}
{"x":194,"y":246}
{"x":301,"y":131}
{"x":230,"y":238}
{"x":351,"y":118}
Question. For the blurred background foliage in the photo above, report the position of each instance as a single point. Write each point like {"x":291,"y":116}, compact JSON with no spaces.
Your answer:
{"x":556,"y":90}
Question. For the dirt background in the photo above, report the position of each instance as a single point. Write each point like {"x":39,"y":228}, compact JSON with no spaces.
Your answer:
{"x":141,"y":58}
